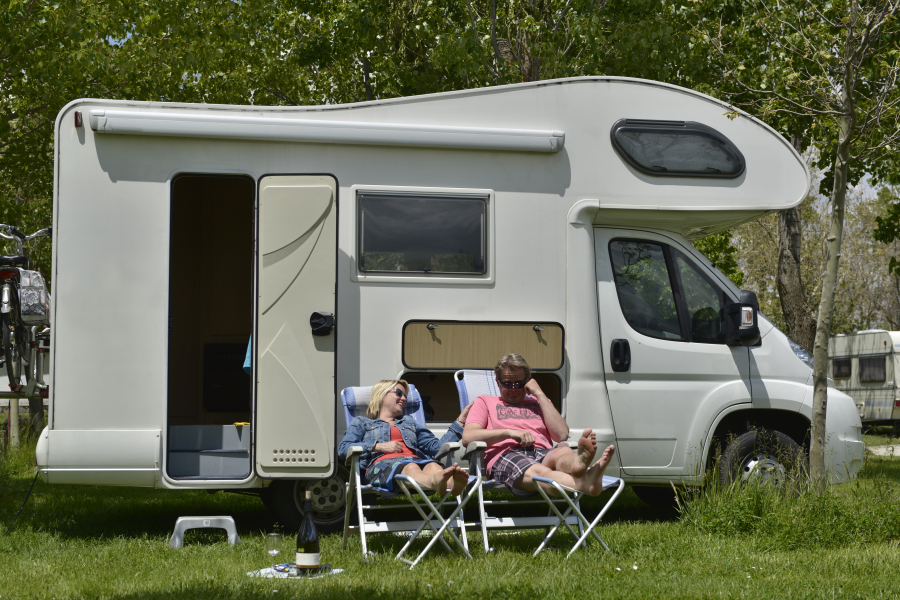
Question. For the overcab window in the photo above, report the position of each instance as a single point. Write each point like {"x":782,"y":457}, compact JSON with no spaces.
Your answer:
{"x":676,"y":149}
{"x":405,"y":233}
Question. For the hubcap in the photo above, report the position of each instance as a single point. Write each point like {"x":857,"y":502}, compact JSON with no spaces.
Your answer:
{"x":763,"y":468}
{"x":328,"y":496}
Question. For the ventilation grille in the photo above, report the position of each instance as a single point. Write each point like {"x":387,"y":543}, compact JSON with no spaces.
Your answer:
{"x":293,"y":456}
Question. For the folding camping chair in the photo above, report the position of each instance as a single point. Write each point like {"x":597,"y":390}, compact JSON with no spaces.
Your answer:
{"x":355,"y":401}
{"x":473,"y":383}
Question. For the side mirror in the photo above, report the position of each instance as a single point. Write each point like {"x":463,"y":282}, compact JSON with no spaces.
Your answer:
{"x":742,"y":324}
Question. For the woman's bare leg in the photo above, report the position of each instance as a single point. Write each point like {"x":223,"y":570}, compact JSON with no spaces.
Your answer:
{"x":438,"y":478}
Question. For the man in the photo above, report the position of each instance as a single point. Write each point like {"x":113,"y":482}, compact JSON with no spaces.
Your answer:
{"x":520,"y":427}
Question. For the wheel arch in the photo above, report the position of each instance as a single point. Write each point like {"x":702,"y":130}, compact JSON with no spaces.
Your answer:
{"x":740,"y":420}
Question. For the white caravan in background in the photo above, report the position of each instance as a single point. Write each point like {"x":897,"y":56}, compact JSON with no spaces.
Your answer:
{"x":866,"y":366}
{"x":411,"y":237}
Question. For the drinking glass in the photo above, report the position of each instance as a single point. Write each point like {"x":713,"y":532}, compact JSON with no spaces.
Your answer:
{"x":273,"y":547}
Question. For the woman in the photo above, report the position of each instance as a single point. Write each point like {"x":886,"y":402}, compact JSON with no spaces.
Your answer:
{"x":394,"y":443}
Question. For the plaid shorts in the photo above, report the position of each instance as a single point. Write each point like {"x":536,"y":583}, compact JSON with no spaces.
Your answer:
{"x":512,"y":465}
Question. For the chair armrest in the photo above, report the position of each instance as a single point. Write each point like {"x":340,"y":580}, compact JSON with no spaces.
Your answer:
{"x":353,"y":452}
{"x":448,"y":448}
{"x":473,"y":448}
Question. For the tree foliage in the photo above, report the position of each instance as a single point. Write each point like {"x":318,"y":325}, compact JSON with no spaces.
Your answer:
{"x":721,"y":252}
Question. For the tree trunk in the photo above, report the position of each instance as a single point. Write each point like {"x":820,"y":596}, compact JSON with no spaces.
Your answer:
{"x":826,"y":304}
{"x":799,"y":317}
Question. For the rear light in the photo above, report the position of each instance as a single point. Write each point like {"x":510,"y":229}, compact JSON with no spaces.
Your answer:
{"x":896,"y":403}
{"x":45,"y":393}
{"x":78,"y":120}
{"x":8,"y":273}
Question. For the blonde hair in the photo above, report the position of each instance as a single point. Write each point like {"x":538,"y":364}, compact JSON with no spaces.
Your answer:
{"x":512,"y":361}
{"x":379,"y":391}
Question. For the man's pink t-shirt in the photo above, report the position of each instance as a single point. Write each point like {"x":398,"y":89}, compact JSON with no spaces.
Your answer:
{"x":492,"y":412}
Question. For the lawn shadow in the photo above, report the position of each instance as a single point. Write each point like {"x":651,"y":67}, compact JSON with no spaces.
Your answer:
{"x":90,"y":512}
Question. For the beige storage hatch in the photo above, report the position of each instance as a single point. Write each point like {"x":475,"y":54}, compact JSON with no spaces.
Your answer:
{"x":478,"y":345}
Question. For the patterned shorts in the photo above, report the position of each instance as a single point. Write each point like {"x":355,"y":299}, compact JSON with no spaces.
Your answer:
{"x":512,"y":465}
{"x":380,"y":474}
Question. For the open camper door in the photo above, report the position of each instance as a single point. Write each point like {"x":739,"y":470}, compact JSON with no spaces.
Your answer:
{"x":295,"y":341}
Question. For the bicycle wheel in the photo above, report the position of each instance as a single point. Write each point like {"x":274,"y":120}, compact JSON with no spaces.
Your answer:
{"x":13,"y":342}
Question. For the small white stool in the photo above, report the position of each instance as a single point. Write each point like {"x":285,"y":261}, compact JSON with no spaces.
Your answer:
{"x":185,"y":523}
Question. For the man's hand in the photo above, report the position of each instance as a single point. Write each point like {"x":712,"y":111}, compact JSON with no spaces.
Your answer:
{"x":533,"y":388}
{"x":525,"y":438}
{"x":388,"y":447}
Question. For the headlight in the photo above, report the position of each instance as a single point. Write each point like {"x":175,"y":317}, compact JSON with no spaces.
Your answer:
{"x":801,"y":353}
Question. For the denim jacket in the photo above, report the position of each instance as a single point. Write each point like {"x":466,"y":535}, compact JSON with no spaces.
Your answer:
{"x":368,"y":432}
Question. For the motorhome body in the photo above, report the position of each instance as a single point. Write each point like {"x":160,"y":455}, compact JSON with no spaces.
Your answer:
{"x":866,"y":366}
{"x":440,"y":231}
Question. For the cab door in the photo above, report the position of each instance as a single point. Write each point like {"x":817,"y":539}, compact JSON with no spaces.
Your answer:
{"x":294,"y":367}
{"x":668,"y":370}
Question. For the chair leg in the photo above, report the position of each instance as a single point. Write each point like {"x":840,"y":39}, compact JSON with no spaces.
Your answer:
{"x":597,"y":519}
{"x":482,"y":514}
{"x":349,"y":508}
{"x":404,"y":482}
{"x":360,"y":516}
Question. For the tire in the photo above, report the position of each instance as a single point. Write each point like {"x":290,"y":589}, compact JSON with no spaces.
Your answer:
{"x":767,"y":456}
{"x":14,"y":346}
{"x":329,"y":502}
{"x":660,"y":497}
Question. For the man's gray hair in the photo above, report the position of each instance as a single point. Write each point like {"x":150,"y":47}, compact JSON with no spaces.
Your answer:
{"x":512,"y":361}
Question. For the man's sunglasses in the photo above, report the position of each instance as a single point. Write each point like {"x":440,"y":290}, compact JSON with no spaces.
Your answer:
{"x":515,"y":385}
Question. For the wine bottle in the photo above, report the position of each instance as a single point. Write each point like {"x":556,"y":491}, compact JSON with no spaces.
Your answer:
{"x":307,"y":541}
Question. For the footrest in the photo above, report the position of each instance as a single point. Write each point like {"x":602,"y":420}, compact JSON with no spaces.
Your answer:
{"x":185,"y":523}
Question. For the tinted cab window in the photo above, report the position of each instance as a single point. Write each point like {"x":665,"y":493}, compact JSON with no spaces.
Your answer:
{"x":663,"y":294}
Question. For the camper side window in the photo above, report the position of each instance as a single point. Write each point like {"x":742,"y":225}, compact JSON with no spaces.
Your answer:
{"x":406,"y":233}
{"x":871,"y":368}
{"x":645,"y":288}
{"x":840,"y":368}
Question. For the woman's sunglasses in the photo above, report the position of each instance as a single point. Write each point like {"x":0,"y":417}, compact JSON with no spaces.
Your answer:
{"x":515,"y":385}
{"x":400,"y":393}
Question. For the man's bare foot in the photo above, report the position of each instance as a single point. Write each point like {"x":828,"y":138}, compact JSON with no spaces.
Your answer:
{"x":584,"y":454}
{"x":595,"y":473}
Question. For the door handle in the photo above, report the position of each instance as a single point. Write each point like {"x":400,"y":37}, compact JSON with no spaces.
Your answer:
{"x":321,"y":323}
{"x":620,"y":355}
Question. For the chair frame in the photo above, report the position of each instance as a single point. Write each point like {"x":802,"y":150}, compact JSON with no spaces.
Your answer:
{"x":571,"y":516}
{"x":431,"y":513}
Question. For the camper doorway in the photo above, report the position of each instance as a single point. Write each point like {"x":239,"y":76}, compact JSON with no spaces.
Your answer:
{"x":210,"y":322}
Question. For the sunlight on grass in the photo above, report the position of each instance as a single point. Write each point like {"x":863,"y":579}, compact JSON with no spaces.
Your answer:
{"x":102,"y":542}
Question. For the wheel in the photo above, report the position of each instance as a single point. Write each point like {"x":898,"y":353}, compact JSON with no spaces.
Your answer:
{"x":14,"y":342}
{"x":329,"y":500}
{"x":661,"y":497}
{"x":766,"y":456}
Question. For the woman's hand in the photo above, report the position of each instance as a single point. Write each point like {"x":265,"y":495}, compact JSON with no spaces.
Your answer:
{"x":388,"y":447}
{"x":461,"y":419}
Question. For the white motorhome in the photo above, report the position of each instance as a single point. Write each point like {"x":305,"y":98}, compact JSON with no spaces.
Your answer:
{"x":866,"y":366}
{"x":410,"y":237}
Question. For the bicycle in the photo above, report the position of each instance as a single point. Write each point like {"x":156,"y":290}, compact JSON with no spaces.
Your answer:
{"x":19,"y":340}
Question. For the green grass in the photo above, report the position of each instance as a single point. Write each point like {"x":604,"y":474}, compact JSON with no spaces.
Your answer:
{"x":102,"y":542}
{"x":880,"y":435}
